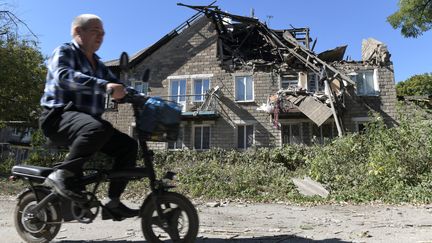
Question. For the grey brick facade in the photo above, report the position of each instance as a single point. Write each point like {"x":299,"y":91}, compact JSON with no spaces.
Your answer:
{"x":193,"y":53}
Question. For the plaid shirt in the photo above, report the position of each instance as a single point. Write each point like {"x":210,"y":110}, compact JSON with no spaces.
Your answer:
{"x":71,"y":78}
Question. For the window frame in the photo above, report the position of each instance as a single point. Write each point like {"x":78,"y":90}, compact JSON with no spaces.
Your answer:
{"x":177,"y":97}
{"x":363,"y":90}
{"x":145,"y":86}
{"x":290,"y":124}
{"x":236,"y":88}
{"x":203,"y":92}
{"x":201,"y":136}
{"x":244,"y":127}
{"x":180,"y":140}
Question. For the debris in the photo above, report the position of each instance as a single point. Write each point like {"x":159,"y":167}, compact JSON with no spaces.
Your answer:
{"x":375,"y":52}
{"x":213,"y":204}
{"x":308,"y":187}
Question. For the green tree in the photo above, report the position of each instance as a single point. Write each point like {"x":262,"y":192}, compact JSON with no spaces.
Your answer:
{"x":415,"y":85}
{"x":413,"y":17}
{"x":22,"y":73}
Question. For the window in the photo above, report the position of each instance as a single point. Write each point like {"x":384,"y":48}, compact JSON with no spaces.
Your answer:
{"x":178,"y":90}
{"x":361,"y":123}
{"x":366,"y":82}
{"x":140,"y":86}
{"x":178,"y":144}
{"x":201,"y":137}
{"x":287,"y":82}
{"x":313,"y":83}
{"x":244,"y":88}
{"x":291,"y":134}
{"x":245,"y":136}
{"x":324,"y":133}
{"x":201,"y":86}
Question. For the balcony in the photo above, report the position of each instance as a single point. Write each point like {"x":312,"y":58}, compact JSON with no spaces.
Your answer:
{"x":197,"y":107}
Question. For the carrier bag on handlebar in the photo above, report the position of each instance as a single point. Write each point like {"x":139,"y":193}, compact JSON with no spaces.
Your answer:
{"x":159,"y":120}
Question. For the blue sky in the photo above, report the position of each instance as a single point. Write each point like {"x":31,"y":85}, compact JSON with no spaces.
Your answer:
{"x":132,"y":25}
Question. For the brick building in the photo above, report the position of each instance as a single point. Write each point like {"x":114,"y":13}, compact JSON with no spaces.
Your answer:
{"x":242,"y":84}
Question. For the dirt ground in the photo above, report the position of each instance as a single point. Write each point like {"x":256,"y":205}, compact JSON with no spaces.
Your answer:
{"x":252,"y":223}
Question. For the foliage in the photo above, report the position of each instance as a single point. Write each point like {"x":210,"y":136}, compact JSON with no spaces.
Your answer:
{"x":413,"y":17}
{"x":21,"y":79}
{"x":384,"y":164}
{"x":415,"y":85}
{"x":391,"y":165}
{"x":21,"y":75}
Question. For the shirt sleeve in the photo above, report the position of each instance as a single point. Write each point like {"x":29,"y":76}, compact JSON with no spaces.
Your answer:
{"x":63,"y":66}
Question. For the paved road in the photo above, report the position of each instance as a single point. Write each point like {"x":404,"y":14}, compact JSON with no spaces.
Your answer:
{"x":252,"y":223}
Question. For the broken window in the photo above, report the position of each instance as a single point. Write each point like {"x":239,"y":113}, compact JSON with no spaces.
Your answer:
{"x":313,"y":83}
{"x":201,"y":86}
{"x":244,"y":88}
{"x":289,"y":82}
{"x":178,"y":144}
{"x":245,"y":136}
{"x":366,"y":82}
{"x":201,"y":137}
{"x":291,"y":133}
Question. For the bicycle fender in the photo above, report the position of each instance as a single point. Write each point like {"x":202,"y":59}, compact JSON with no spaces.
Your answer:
{"x":37,"y":188}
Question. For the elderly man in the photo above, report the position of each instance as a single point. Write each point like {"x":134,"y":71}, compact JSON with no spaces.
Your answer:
{"x":73,"y":102}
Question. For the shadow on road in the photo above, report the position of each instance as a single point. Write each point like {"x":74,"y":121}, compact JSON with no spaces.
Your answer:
{"x":262,"y":239}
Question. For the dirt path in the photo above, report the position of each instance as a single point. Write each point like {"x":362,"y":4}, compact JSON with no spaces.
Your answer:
{"x":251,"y":223}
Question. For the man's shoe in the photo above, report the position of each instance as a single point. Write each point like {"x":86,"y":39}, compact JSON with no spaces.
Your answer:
{"x":119,"y":212}
{"x":56,"y":180}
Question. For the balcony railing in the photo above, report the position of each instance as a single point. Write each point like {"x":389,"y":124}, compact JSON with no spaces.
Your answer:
{"x":194,"y":103}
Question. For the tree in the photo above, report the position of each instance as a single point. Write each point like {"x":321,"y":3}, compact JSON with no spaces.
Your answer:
{"x":415,"y":85}
{"x":413,"y":17}
{"x":22,"y":72}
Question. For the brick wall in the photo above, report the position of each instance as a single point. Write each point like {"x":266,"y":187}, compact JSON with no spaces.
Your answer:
{"x":194,"y":52}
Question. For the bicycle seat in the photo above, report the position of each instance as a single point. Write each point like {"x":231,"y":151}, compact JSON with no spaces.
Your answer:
{"x":31,"y":171}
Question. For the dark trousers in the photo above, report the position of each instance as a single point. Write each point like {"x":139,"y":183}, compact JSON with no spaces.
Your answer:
{"x":85,"y":135}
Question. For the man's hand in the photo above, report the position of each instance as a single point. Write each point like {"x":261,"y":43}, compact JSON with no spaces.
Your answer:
{"x":118,"y":90}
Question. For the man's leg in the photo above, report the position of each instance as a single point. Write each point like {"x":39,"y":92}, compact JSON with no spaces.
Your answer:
{"x":124,"y":150}
{"x":85,"y":135}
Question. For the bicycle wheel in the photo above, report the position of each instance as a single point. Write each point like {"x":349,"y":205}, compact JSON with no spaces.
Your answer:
{"x":40,"y":227}
{"x":179,"y":221}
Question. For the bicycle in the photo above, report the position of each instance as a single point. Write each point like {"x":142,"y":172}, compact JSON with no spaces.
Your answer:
{"x":40,"y":211}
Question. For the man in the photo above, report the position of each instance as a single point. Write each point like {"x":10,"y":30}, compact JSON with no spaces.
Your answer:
{"x":73,"y":102}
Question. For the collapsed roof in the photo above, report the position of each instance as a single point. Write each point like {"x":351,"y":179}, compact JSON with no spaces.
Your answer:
{"x":245,"y":41}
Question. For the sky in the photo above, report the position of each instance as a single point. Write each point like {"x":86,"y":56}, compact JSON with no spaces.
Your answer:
{"x":132,"y":25}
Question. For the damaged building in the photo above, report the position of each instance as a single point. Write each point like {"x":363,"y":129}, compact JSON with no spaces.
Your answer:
{"x":243,"y":84}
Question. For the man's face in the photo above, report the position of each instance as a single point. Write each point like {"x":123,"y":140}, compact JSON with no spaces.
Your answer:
{"x":92,"y":36}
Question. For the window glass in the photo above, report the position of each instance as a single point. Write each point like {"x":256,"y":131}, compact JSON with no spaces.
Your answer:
{"x":245,"y":136}
{"x":202,"y":137}
{"x":244,"y":88}
{"x":178,"y":144}
{"x":365,"y":82}
{"x":291,"y":134}
{"x":178,"y":90}
{"x":201,"y":86}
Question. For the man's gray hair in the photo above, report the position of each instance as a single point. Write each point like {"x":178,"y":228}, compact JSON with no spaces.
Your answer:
{"x":82,"y":20}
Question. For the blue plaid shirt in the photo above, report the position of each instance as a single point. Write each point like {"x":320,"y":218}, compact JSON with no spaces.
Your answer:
{"x":71,"y":78}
